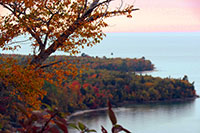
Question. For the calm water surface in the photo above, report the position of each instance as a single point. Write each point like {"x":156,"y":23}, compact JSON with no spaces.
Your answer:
{"x":174,"y":55}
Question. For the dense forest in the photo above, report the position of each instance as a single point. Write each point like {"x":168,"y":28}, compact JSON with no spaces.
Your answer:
{"x":95,"y":87}
{"x":39,"y":90}
{"x":116,"y":79}
{"x":116,"y":64}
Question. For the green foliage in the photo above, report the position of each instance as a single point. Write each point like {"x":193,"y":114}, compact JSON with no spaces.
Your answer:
{"x":81,"y":127}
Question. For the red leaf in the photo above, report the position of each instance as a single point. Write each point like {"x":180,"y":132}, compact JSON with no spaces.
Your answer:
{"x":53,"y":130}
{"x":111,"y":114}
{"x":62,"y":120}
{"x":61,"y":126}
{"x":103,"y":130}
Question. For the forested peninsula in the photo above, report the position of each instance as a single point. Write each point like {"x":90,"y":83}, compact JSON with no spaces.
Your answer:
{"x":100,"y":79}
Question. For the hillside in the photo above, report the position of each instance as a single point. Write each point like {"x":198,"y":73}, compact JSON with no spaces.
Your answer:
{"x":100,"y":79}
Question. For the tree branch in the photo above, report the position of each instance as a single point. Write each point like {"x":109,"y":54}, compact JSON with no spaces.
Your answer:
{"x":104,"y":14}
{"x":51,"y":64}
{"x":5,"y":6}
{"x":47,"y":122}
{"x":23,"y":41}
{"x":48,"y":23}
{"x":30,"y":30}
{"x":91,"y":8}
{"x":85,"y":5}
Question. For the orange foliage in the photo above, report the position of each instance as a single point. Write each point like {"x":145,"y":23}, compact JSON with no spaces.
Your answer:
{"x":51,"y":25}
{"x":93,"y":76}
{"x":149,"y":84}
{"x":56,"y":25}
{"x":22,"y":83}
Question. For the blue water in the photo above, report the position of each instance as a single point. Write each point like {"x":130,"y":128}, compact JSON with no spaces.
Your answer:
{"x":147,"y":44}
{"x":174,"y":55}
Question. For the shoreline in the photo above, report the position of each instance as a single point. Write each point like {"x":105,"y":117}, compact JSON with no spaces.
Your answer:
{"x":159,"y":101}
{"x":82,"y":112}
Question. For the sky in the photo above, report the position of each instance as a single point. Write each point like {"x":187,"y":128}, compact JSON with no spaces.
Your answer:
{"x":158,"y":16}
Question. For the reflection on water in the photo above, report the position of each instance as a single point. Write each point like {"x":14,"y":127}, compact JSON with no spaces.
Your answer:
{"x":179,"y":117}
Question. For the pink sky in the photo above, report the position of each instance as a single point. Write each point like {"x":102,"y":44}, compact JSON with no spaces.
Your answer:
{"x":158,"y":16}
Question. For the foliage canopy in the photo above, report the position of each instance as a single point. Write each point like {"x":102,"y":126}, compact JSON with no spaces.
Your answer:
{"x":56,"y":25}
{"x":49,"y":25}
{"x":53,"y":25}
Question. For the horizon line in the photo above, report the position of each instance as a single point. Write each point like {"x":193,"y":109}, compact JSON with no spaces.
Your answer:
{"x":154,"y":32}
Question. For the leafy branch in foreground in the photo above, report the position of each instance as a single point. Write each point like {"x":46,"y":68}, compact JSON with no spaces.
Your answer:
{"x":81,"y":127}
{"x":47,"y":120}
{"x":53,"y":121}
{"x":116,"y":127}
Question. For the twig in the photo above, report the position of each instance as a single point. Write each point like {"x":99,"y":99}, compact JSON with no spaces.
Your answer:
{"x":47,"y":122}
{"x":51,"y":64}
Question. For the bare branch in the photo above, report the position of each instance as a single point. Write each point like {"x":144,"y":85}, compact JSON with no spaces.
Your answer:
{"x":94,"y":5}
{"x":121,"y":5}
{"x":48,"y":23}
{"x":23,"y":41}
{"x":104,"y":2}
{"x":5,"y":6}
{"x":91,"y":8}
{"x":47,"y":122}
{"x":31,"y":30}
{"x":107,"y":6}
{"x":104,"y":14}
{"x":85,"y":6}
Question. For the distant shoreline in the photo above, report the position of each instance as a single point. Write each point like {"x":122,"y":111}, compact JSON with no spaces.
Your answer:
{"x":82,"y":112}
{"x":158,"y":101}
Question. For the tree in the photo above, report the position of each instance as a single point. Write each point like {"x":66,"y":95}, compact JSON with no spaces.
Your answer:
{"x":49,"y":25}
{"x":56,"y":25}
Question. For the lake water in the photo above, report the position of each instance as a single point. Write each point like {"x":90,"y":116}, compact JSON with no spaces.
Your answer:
{"x":174,"y":55}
